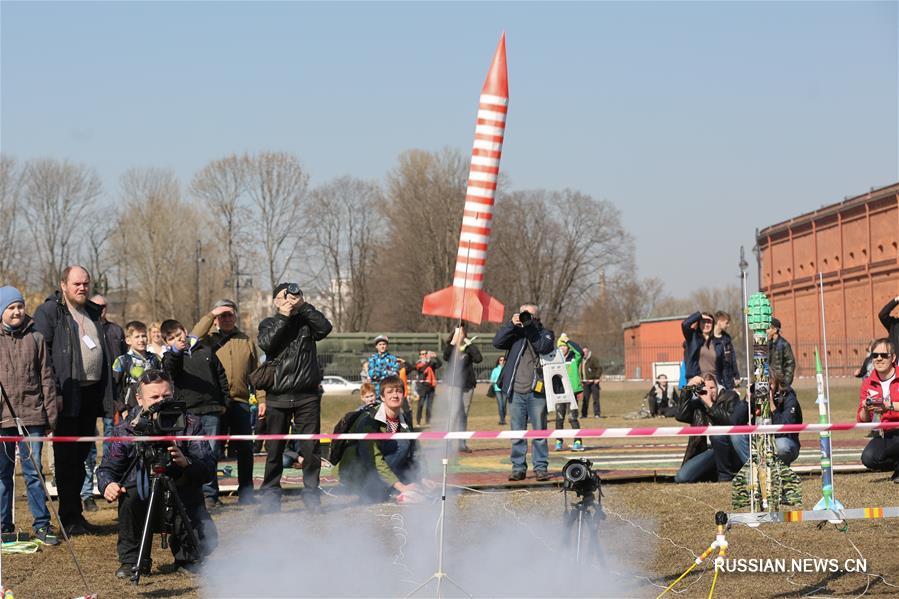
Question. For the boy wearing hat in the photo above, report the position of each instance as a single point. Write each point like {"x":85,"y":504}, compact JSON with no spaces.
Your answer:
{"x":381,"y":364}
{"x":573,"y":355}
{"x":27,"y":382}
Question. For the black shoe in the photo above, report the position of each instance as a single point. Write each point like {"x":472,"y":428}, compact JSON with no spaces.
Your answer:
{"x":520,"y":475}
{"x":542,"y":475}
{"x":187,"y":567}
{"x":246,"y":498}
{"x":895,"y":477}
{"x":126,"y":570}
{"x":80,"y":527}
{"x":45,"y":535}
{"x":89,"y":505}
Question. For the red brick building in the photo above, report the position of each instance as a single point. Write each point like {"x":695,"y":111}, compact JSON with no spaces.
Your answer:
{"x":652,"y":341}
{"x":854,"y":245}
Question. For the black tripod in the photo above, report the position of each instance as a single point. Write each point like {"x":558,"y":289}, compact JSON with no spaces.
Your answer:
{"x":582,"y":519}
{"x":163,"y":507}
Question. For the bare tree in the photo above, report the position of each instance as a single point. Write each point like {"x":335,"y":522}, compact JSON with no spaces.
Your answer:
{"x":347,"y":229}
{"x":159,"y":232}
{"x":96,"y":248}
{"x":277,"y":185}
{"x":221,"y":185}
{"x":423,"y":210}
{"x":58,"y":197}
{"x":10,"y":192}
{"x":550,"y":248}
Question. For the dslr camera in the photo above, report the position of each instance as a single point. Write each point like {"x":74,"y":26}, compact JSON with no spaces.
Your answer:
{"x":163,"y":418}
{"x":580,"y":477}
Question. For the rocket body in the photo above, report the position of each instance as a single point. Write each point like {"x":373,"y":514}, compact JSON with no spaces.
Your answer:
{"x":466,"y":299}
{"x":828,"y":501}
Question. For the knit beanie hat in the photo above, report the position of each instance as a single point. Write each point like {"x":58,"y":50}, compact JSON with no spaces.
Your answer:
{"x":9,"y":295}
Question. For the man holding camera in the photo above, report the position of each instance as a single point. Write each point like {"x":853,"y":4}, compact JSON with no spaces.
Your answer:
{"x":879,"y":400}
{"x":524,"y":340}
{"x":122,"y":476}
{"x":703,"y":403}
{"x":288,"y":339}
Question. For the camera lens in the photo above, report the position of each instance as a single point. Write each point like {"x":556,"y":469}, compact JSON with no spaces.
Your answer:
{"x":293,"y":289}
{"x":575,"y":473}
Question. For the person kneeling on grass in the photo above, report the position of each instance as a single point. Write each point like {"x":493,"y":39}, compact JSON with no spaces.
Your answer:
{"x":878,"y":399}
{"x":703,"y":403}
{"x":381,"y":470}
{"x":120,"y":478}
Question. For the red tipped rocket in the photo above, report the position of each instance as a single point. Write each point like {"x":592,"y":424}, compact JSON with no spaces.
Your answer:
{"x":466,"y":299}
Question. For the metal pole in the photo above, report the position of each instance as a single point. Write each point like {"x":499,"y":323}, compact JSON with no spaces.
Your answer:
{"x":199,"y":257}
{"x":824,"y":339}
{"x":743,"y":267}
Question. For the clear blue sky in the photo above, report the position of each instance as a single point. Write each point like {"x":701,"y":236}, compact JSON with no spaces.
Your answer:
{"x":699,"y":120}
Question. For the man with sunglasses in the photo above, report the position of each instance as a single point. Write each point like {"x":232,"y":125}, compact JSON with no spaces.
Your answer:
{"x":121,"y":479}
{"x":879,"y":400}
{"x":289,"y":338}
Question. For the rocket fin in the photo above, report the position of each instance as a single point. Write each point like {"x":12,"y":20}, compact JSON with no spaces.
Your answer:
{"x":472,"y":305}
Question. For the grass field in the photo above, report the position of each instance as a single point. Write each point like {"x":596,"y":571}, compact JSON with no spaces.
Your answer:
{"x":652,"y":532}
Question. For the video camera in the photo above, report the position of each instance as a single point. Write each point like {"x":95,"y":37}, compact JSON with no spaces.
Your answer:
{"x":163,"y":418}
{"x":580,"y":477}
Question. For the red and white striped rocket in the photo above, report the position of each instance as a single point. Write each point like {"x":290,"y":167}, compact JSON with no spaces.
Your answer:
{"x":465,"y":299}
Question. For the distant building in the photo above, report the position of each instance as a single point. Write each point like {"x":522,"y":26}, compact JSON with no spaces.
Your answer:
{"x":653,"y":344}
{"x":854,"y":244}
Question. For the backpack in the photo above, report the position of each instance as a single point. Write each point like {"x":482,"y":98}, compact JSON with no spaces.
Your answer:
{"x":345,"y":425}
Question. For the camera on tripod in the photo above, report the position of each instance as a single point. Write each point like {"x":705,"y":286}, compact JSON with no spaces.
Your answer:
{"x":160,"y":419}
{"x":582,"y":518}
{"x":580,"y":477}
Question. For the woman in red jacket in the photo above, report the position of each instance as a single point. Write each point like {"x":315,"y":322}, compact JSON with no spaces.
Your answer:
{"x":879,"y":400}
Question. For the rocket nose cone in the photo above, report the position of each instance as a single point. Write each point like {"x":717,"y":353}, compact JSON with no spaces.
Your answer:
{"x":497,"y":82}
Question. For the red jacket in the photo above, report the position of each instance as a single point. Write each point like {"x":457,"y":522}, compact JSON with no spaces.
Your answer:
{"x":871,"y":388}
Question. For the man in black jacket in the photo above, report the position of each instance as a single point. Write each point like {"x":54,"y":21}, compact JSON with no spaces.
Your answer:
{"x":889,"y":322}
{"x":121,"y":478}
{"x":703,"y":403}
{"x":201,"y":383}
{"x":289,"y":338}
{"x":82,"y":366}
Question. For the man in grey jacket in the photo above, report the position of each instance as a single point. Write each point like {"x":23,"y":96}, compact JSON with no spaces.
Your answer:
{"x":524,"y":340}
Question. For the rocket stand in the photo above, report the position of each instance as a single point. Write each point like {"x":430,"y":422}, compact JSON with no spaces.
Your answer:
{"x":719,"y":543}
{"x":439,"y":576}
{"x":37,"y":468}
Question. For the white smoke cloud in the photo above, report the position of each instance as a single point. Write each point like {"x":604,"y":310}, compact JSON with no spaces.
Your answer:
{"x":501,"y":544}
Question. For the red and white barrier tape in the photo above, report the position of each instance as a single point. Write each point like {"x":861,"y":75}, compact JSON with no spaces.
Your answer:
{"x":583,"y":433}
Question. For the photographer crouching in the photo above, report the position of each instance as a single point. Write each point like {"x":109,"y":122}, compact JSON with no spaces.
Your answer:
{"x":127,"y":469}
{"x":702,"y":403}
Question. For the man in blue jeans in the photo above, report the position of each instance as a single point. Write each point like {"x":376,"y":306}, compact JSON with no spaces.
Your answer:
{"x":723,"y":456}
{"x":27,"y":398}
{"x":525,"y":340}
